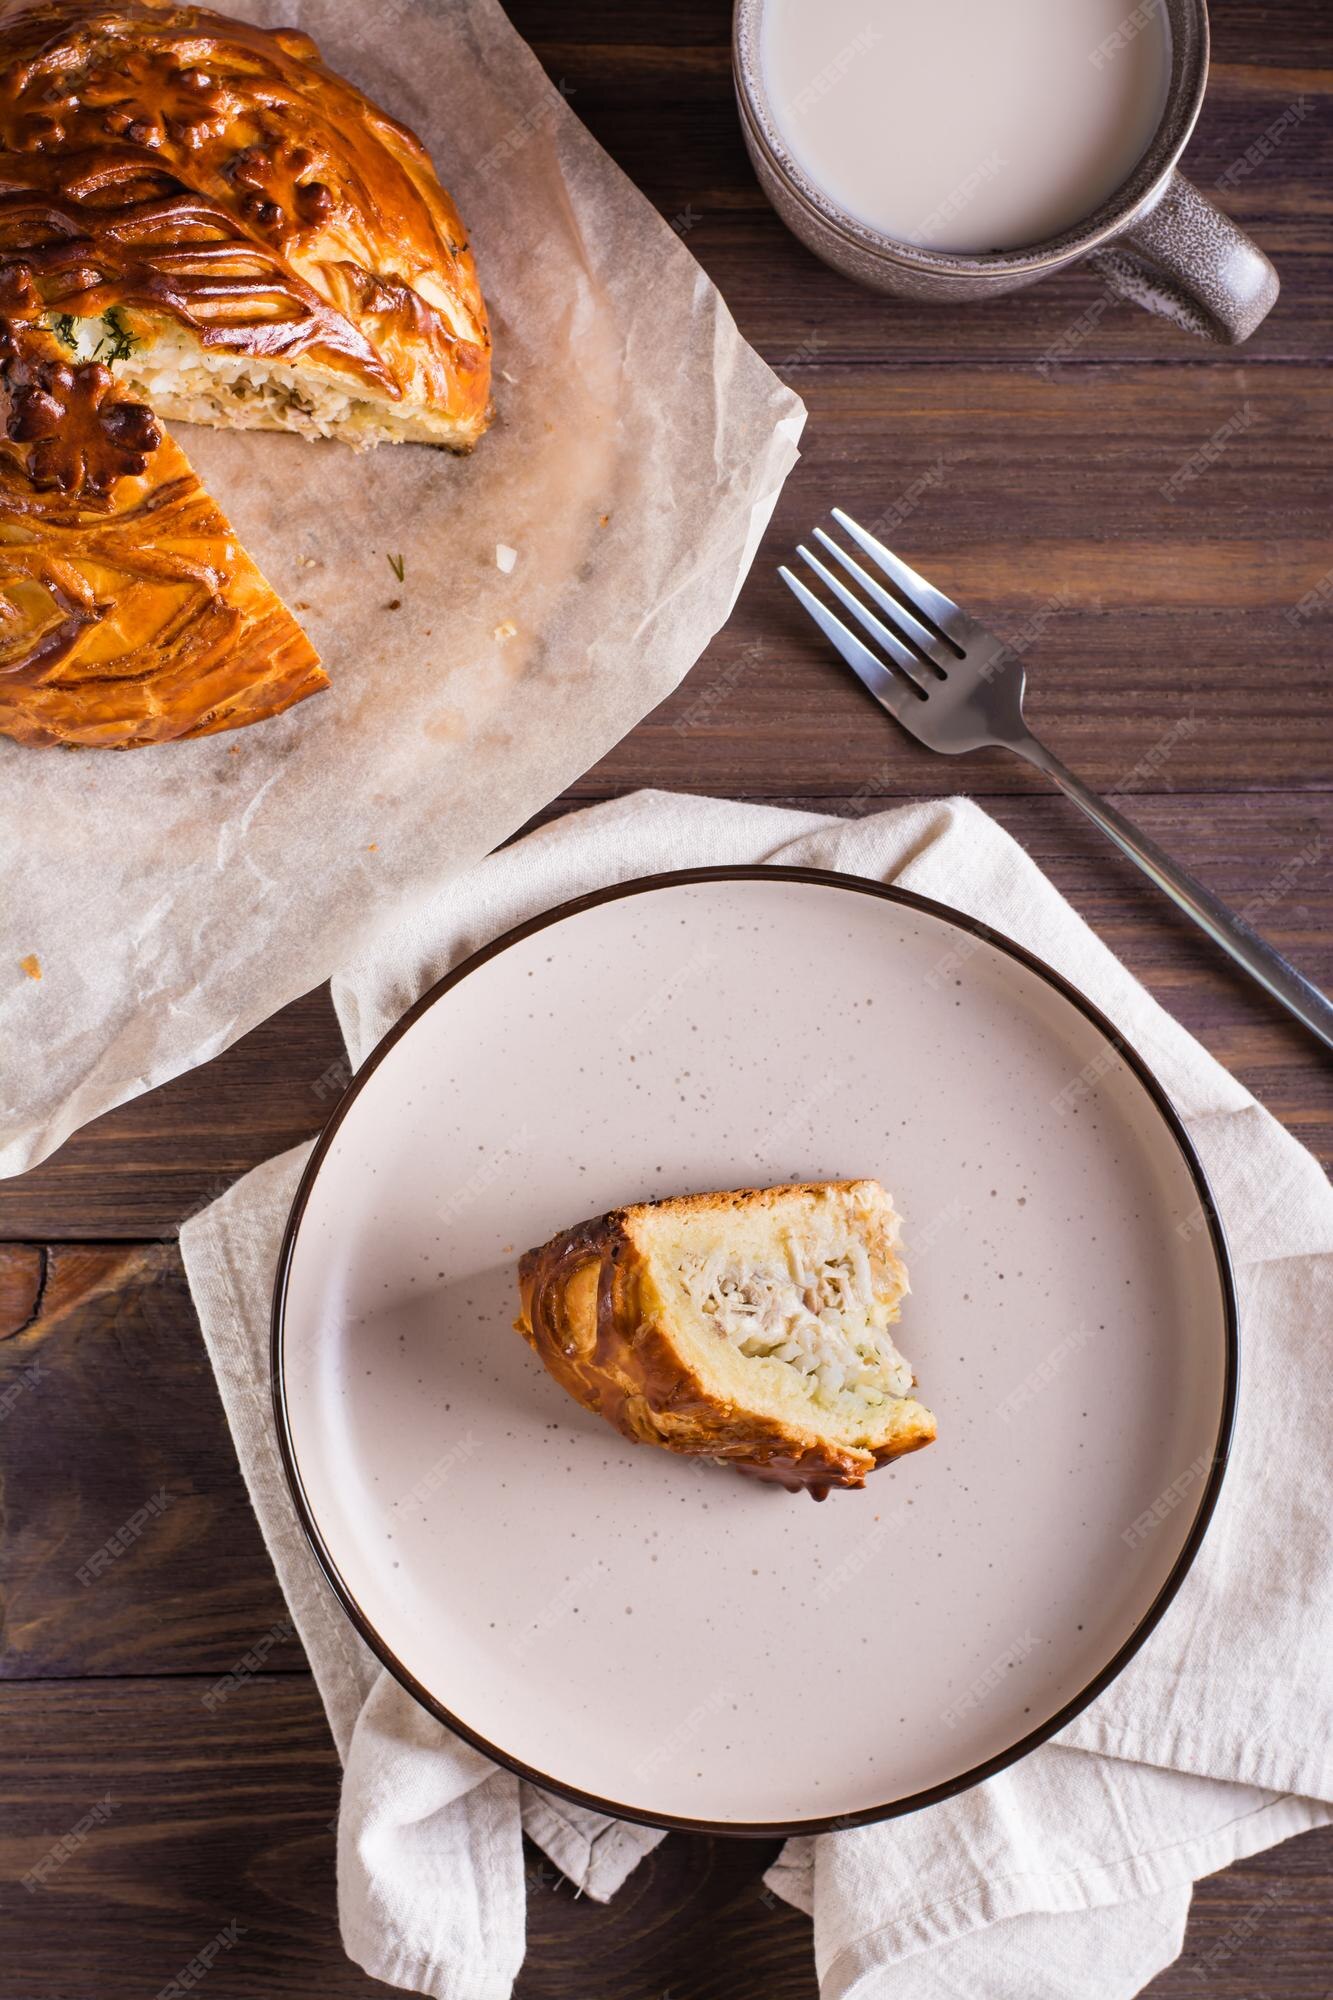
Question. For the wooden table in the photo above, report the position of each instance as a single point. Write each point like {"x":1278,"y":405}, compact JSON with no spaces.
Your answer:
{"x":1043,"y":498}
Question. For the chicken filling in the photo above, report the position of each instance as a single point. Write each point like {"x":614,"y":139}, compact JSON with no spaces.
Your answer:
{"x":818,"y":1313}
{"x":181,"y":379}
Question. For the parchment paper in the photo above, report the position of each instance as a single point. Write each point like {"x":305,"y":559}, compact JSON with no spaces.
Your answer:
{"x":174,"y":897}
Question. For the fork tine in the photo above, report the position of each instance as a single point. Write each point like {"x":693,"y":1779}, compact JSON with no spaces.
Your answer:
{"x":888,"y":690}
{"x":934,"y":649}
{"x":924,"y":596}
{"x":893,"y":646}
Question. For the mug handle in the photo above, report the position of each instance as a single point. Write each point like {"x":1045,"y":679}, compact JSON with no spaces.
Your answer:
{"x":1212,"y":269}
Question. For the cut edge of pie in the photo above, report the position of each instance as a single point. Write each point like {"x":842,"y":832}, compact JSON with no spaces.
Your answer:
{"x":130,"y":614}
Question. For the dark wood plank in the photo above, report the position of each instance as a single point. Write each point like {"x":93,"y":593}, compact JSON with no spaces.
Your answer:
{"x":21,"y":1272}
{"x":139,"y":1170}
{"x":1040,"y":507}
{"x":227,"y":1821}
{"x":654,"y":86}
{"x":207,"y":1822}
{"x":1291,"y":34}
{"x":190,"y":1140}
{"x":129,"y":1545}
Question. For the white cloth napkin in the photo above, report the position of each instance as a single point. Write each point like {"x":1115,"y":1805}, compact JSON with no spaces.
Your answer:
{"x":1068,"y":1875}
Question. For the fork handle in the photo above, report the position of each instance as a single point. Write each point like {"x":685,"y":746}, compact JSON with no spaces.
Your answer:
{"x":1249,"y":950}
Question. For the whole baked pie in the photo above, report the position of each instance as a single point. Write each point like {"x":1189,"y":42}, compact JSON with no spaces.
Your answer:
{"x":198,"y":219}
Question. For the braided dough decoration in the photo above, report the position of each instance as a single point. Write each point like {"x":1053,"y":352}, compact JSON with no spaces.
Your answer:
{"x":198,"y":219}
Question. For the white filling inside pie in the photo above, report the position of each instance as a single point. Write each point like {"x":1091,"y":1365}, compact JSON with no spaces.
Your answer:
{"x":817,"y":1311}
{"x":181,"y":379}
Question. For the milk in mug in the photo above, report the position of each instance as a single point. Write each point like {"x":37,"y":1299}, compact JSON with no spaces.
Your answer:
{"x":967,"y":125}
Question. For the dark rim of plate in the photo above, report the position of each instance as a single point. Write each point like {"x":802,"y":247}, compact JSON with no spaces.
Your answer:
{"x":769,"y":1829}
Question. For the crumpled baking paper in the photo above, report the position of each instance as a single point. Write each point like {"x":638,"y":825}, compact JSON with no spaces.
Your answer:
{"x":155,"y":904}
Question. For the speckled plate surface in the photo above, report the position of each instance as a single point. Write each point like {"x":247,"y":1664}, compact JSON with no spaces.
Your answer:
{"x":661,"y":1637}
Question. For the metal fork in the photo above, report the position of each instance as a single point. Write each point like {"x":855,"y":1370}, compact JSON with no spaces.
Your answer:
{"x":956,"y":687}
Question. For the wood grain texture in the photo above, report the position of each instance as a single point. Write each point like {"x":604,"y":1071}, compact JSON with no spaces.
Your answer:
{"x":141,"y":1169}
{"x":1030,"y":455}
{"x":226,"y":1820}
{"x":1147,"y":621}
{"x":21,"y":1274}
{"x":636,"y":73}
{"x":136,"y":1172}
{"x":127,"y":1543}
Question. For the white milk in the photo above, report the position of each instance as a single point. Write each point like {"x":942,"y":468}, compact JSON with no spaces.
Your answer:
{"x":967,"y":124}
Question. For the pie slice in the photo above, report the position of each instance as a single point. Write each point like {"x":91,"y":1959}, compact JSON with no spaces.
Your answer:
{"x":129,"y":613}
{"x":751,"y":1327}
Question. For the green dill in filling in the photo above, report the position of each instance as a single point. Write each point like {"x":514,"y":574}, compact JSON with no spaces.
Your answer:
{"x":115,"y":342}
{"x":118,"y":342}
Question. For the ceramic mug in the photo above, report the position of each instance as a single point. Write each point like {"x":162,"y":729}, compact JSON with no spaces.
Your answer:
{"x":1193,"y":256}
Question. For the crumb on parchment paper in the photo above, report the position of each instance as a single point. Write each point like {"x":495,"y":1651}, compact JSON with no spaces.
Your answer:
{"x":32,"y":965}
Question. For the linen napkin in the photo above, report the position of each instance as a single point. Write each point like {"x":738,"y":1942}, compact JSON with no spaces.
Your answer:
{"x":1068,"y":1875}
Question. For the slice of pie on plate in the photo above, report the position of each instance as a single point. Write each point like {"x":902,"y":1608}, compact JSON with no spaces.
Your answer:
{"x":751,"y":1327}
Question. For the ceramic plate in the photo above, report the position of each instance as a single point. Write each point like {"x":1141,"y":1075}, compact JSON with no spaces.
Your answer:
{"x":656,"y":1635}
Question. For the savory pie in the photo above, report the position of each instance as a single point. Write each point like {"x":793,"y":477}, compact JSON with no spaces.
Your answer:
{"x":751,"y":1327}
{"x":240,"y":233}
{"x":198,"y":219}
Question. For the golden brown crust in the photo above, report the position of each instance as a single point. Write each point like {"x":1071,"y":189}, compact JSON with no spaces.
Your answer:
{"x":129,"y":613}
{"x":168,"y":159}
{"x":184,"y":166}
{"x":585,"y":1315}
{"x":74,"y":432}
